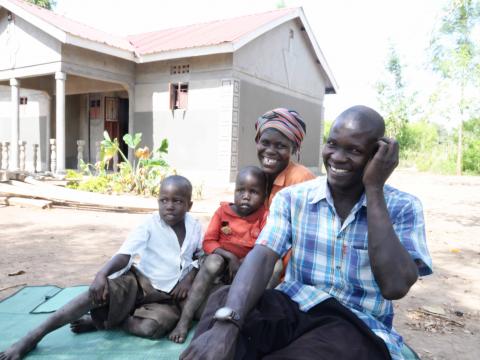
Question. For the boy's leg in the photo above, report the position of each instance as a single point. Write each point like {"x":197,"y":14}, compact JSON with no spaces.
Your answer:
{"x":212,"y":266}
{"x":71,"y":311}
{"x":152,"y":321}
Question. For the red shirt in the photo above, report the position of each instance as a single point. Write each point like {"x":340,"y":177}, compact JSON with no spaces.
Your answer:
{"x":231,"y":232}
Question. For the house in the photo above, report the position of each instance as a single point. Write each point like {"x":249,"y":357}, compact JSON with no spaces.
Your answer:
{"x":200,"y":86}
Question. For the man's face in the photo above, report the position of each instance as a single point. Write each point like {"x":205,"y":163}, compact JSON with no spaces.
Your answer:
{"x":346,"y":153}
{"x":273,"y":151}
{"x":173,"y":203}
{"x":249,"y":194}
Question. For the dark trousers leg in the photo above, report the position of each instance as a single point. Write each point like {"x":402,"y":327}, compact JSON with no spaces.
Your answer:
{"x":277,"y":329}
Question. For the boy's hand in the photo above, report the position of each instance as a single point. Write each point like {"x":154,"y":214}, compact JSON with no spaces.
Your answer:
{"x":99,"y":290}
{"x":382,"y":164}
{"x":180,"y":291}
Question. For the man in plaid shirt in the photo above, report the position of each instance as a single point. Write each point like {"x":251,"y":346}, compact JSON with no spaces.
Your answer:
{"x":356,"y":245}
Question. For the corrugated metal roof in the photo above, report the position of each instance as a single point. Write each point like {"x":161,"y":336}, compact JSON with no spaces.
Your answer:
{"x":185,"y":37}
{"x":75,"y":28}
{"x":205,"y":34}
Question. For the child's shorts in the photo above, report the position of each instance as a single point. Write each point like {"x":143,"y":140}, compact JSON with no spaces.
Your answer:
{"x":133,"y":294}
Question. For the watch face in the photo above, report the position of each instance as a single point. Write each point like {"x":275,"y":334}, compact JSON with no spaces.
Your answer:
{"x":223,"y":313}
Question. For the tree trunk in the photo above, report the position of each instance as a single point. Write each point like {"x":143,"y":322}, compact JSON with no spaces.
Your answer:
{"x":460,"y":148}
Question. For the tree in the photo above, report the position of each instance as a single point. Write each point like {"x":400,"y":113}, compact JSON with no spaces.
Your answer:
{"x":281,"y":4}
{"x":455,"y":56}
{"x":395,"y":102}
{"x":47,"y":4}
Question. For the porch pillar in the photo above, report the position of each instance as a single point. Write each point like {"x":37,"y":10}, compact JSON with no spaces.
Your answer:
{"x":60,"y":78}
{"x":131,"y":115}
{"x":15,"y":124}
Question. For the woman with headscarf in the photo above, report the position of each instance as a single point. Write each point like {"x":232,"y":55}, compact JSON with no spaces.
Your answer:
{"x":279,"y":135}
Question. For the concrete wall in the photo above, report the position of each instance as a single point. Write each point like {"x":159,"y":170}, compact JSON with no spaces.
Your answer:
{"x":33,"y":122}
{"x":93,"y":65}
{"x":200,"y":136}
{"x":256,"y":100}
{"x":284,"y":58}
{"x":278,"y":69}
{"x":25,"y":44}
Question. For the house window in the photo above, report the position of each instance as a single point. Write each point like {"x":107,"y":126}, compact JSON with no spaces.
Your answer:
{"x":179,"y":69}
{"x":94,"y":108}
{"x":23,"y":100}
{"x":178,"y":96}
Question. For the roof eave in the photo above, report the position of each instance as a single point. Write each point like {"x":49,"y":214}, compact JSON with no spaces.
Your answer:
{"x":100,"y":47}
{"x":186,"y":53}
{"x":51,"y":30}
{"x":64,"y":37}
{"x":331,"y":87}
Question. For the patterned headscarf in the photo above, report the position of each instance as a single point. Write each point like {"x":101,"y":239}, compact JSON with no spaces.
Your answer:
{"x":288,"y":122}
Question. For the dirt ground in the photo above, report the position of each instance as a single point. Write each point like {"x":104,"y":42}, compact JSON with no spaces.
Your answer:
{"x":439,"y":318}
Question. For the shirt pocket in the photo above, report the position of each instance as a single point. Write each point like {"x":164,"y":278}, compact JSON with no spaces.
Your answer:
{"x":359,"y":271}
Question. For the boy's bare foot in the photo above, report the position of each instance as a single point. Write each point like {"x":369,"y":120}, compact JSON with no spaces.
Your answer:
{"x":84,"y":324}
{"x":179,"y":334}
{"x":18,"y":350}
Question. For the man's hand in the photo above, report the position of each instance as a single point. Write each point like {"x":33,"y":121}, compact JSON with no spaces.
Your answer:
{"x":98,"y":290}
{"x":381,"y":166}
{"x":180,"y":291}
{"x":218,"y":343}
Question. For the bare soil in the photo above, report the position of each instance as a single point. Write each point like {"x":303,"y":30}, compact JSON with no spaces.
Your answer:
{"x":439,"y":318}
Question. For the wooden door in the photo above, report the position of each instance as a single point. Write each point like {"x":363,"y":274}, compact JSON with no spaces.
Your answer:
{"x":111,"y":117}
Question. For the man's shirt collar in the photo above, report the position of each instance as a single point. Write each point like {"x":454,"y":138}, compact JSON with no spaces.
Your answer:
{"x":323,"y":192}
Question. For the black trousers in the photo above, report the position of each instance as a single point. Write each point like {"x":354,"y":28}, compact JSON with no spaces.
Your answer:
{"x":277,"y":329}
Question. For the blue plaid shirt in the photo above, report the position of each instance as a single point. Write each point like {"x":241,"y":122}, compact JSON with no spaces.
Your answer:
{"x":330,"y":259}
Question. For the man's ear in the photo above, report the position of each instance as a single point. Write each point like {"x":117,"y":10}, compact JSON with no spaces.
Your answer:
{"x":190,"y":203}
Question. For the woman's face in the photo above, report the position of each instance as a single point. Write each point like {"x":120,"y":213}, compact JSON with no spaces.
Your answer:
{"x":273,"y":151}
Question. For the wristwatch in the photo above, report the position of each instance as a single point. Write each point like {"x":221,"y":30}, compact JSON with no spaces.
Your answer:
{"x":229,"y":315}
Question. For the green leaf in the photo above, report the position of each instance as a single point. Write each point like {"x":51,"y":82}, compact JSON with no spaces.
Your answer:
{"x":106,"y":136}
{"x":132,"y":141}
{"x":163,"y":147}
{"x":153,"y":162}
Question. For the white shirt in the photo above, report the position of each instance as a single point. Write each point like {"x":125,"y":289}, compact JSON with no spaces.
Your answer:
{"x":162,"y":260}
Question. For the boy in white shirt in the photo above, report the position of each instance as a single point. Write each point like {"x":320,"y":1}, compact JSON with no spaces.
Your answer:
{"x":145,"y":298}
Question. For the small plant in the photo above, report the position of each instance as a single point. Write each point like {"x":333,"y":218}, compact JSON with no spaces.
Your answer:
{"x":142,"y":177}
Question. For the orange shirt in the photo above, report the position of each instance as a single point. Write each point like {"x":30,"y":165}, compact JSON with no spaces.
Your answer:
{"x":293,"y":174}
{"x":231,"y":232}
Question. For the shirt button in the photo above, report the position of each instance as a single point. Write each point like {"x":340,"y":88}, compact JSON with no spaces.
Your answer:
{"x":338,"y":267}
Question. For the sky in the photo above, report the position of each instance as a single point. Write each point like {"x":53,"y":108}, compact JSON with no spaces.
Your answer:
{"x":353,"y":35}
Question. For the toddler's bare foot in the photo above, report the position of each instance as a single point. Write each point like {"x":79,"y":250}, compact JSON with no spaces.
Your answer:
{"x":179,"y":334}
{"x":18,"y":350}
{"x":84,"y":324}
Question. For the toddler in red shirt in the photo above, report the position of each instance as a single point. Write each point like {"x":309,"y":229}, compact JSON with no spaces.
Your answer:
{"x":231,"y":234}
